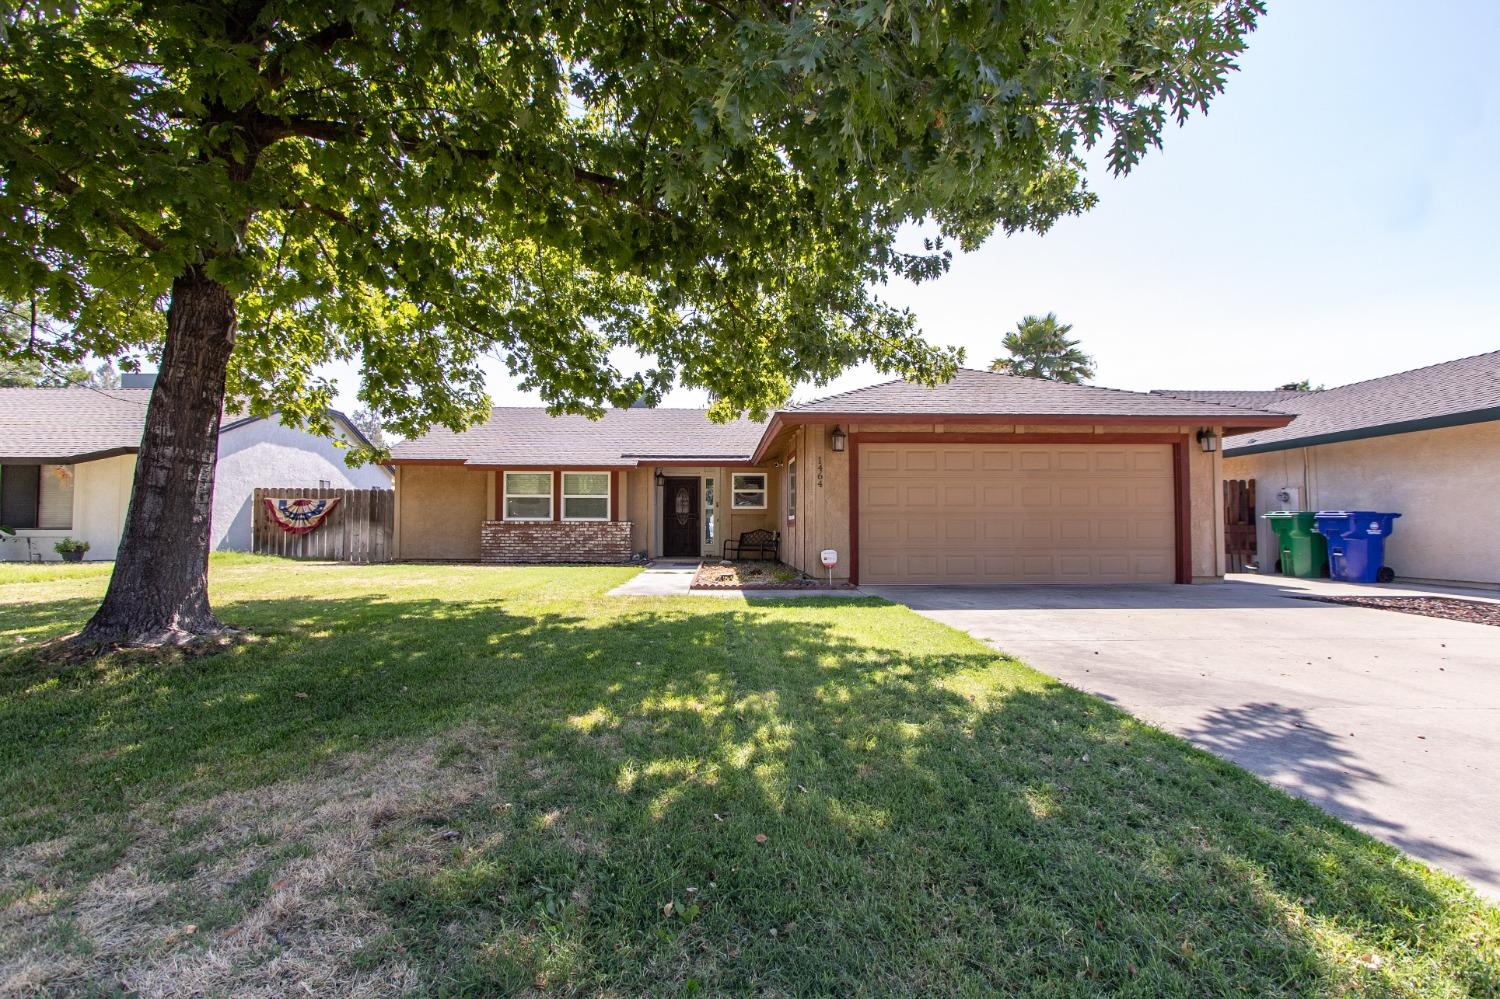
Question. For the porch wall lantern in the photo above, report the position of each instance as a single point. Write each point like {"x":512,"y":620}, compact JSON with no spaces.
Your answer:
{"x":1208,"y":440}
{"x":838,"y":438}
{"x":661,"y":479}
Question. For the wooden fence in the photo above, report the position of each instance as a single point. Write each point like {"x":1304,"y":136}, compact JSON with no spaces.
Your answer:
{"x":1239,"y":524}
{"x":359,"y":529}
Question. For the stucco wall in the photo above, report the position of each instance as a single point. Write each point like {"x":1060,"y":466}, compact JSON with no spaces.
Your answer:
{"x":264,"y":453}
{"x":101,"y":497}
{"x":1442,"y":482}
{"x":439,"y":512}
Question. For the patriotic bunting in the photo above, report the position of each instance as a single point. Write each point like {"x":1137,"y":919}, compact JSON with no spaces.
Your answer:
{"x":299,"y":516}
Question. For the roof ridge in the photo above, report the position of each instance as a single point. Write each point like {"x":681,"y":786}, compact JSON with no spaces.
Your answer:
{"x":1069,"y":386}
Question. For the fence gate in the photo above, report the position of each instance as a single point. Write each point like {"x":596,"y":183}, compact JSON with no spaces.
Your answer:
{"x":1239,"y":524}
{"x":358,"y":529}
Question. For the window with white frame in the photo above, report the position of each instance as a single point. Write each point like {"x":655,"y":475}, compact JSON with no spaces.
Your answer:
{"x":528,"y":496}
{"x":747,"y":491}
{"x":585,"y":495}
{"x":791,"y":488}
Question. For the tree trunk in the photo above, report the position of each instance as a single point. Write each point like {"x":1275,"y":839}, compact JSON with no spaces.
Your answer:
{"x":159,"y":591}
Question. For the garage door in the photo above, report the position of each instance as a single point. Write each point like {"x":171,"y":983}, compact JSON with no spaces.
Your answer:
{"x":1016,"y":513}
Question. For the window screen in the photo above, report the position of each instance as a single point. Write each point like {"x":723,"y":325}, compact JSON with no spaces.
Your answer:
{"x":19,"y":493}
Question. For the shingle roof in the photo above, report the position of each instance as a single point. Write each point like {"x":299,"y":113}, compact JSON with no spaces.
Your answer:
{"x":991,"y":393}
{"x":1450,"y":394}
{"x":1252,"y":398}
{"x":55,"y":423}
{"x":529,"y":435}
{"x":76,"y":424}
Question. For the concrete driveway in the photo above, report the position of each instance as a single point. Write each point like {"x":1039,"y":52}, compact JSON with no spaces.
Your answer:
{"x":1388,"y":720}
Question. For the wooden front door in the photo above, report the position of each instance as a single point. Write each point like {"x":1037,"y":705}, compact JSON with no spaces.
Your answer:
{"x":680,"y":530}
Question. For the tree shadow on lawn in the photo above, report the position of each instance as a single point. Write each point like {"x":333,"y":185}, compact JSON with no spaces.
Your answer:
{"x":934,"y":819}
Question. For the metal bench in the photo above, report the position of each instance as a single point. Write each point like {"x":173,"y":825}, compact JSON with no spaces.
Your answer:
{"x":759,"y":543}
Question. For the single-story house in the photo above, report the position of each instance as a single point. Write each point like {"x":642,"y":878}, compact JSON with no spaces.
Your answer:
{"x":67,"y":466}
{"x":987,"y":478}
{"x":1423,"y":443}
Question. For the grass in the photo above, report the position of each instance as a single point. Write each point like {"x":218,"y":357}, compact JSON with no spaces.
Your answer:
{"x":434,"y":780}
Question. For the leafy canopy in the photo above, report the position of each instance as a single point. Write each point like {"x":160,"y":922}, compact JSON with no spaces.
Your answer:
{"x":1039,"y":348}
{"x":717,"y":186}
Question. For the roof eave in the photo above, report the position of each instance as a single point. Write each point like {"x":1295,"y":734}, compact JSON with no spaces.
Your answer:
{"x":70,"y":459}
{"x":1364,"y":433}
{"x":1242,"y":421}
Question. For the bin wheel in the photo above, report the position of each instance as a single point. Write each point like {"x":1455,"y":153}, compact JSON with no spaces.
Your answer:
{"x":1385,"y":574}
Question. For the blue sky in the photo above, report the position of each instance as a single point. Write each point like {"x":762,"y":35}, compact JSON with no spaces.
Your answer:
{"x":1334,"y":217}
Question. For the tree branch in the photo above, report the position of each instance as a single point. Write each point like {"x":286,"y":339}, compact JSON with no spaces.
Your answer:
{"x":67,"y":186}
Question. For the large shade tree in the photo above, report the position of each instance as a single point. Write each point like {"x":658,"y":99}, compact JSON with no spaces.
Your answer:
{"x":260,"y":187}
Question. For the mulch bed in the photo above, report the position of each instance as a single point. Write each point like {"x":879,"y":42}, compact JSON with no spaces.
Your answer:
{"x":752,"y":576}
{"x":1450,"y":608}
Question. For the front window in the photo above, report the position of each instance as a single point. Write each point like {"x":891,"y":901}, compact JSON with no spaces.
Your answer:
{"x":585,"y":496}
{"x":748,"y":491}
{"x":37,"y":496}
{"x":528,"y":496}
{"x":791,"y":489}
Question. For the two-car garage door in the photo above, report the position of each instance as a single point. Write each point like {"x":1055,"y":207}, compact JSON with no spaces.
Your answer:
{"x":1016,"y":513}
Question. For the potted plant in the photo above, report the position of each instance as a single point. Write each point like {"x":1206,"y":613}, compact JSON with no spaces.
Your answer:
{"x":71,"y":549}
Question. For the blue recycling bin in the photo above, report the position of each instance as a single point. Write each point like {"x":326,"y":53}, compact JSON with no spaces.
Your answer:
{"x":1356,"y":544}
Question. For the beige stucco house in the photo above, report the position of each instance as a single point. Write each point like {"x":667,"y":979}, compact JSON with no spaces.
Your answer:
{"x":67,"y":466}
{"x":1423,"y":443}
{"x":987,"y":478}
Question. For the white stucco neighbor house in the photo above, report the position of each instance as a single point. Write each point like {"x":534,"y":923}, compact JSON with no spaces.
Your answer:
{"x":1423,"y":443}
{"x":67,"y":464}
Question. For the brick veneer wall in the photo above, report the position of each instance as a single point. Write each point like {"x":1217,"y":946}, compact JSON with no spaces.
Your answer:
{"x":502,"y":541}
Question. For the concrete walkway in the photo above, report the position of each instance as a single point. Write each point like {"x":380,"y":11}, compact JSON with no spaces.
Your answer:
{"x":1388,"y":720}
{"x":674,"y":578}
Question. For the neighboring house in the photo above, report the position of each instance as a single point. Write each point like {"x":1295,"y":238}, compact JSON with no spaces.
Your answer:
{"x":1423,"y":443}
{"x":987,"y":478}
{"x":67,"y":465}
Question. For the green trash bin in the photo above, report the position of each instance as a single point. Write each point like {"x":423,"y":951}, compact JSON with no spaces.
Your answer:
{"x":1301,"y":551}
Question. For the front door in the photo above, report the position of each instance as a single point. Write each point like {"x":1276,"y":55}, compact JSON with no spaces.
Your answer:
{"x":679,"y":526}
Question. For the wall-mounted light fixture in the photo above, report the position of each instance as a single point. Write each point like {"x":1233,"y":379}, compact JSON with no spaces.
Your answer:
{"x":1208,"y":440}
{"x":838,"y":438}
{"x":661,"y":479}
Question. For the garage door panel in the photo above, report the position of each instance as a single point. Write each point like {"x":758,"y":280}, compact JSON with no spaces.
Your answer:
{"x":921,"y":529}
{"x":958,"y":460}
{"x":1036,"y":495}
{"x":1020,"y":512}
{"x":997,"y":529}
{"x":997,"y":496}
{"x":960,"y":529}
{"x":958,"y":496}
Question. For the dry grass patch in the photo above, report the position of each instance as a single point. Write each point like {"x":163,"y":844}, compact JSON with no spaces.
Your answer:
{"x":264,"y":892}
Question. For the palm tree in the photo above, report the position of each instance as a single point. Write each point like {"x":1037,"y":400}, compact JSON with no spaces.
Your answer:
{"x":1040,"y":348}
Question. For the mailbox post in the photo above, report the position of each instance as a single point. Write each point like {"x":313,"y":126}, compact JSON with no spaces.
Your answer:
{"x":830,"y":559}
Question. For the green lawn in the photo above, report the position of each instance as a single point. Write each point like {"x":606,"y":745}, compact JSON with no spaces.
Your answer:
{"x":473,"y":781}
